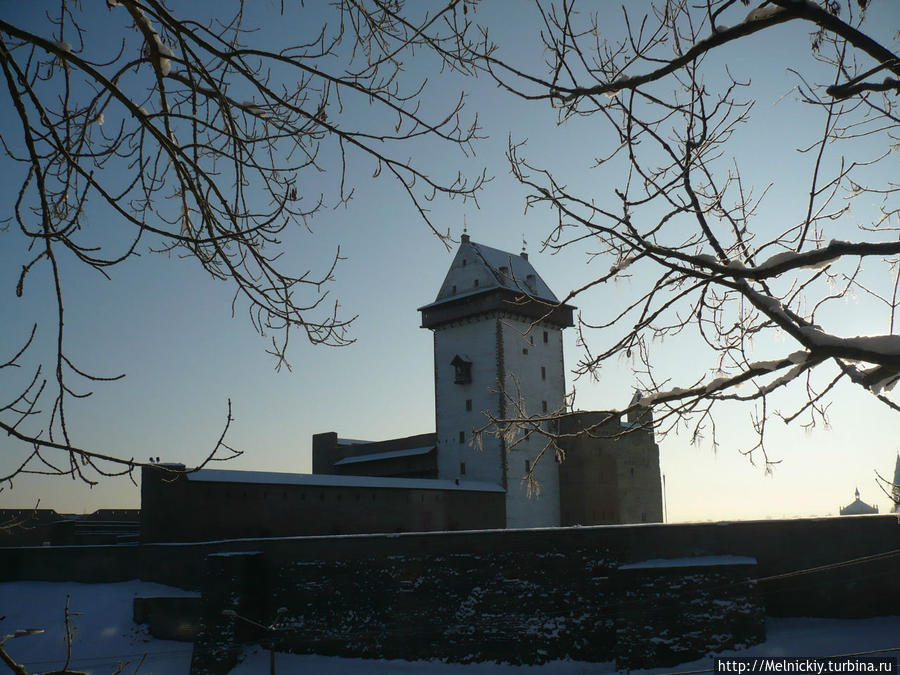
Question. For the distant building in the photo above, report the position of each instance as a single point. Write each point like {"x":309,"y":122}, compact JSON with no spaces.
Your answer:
{"x":498,"y":355}
{"x":498,"y":352}
{"x":858,"y":507}
{"x":39,"y":527}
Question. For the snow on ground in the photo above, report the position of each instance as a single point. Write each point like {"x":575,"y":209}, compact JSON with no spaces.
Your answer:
{"x":106,"y":636}
{"x":104,"y":633}
{"x":785,"y":637}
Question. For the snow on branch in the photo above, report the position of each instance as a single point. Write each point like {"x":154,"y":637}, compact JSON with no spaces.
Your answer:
{"x":798,"y":362}
{"x":786,"y":261}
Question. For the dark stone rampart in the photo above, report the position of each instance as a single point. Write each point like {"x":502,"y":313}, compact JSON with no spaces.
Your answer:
{"x":670,"y":615}
{"x":867,"y":587}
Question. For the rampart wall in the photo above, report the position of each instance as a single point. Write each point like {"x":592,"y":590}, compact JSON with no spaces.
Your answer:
{"x":854,"y":558}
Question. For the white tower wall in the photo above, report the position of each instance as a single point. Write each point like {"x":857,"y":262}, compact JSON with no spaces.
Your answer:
{"x":480,"y":319}
{"x":474,"y":340}
{"x":535,"y":386}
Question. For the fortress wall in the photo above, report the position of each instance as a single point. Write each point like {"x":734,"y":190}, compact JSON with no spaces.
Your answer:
{"x":866,"y":588}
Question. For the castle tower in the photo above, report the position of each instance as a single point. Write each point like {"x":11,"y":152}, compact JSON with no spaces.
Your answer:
{"x":497,"y":351}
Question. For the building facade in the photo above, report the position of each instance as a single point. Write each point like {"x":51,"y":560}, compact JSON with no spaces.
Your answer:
{"x":858,"y":507}
{"x":498,"y":354}
{"x":213,"y":504}
{"x":498,"y":373}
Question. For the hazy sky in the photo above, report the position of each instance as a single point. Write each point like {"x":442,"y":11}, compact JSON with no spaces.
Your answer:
{"x":166,"y":324}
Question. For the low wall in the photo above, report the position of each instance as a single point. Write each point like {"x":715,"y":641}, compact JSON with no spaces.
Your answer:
{"x":87,"y":564}
{"x":866,"y":588}
{"x":681,"y":610}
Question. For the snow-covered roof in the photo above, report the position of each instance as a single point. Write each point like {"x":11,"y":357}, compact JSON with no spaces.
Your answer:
{"x":696,"y":561}
{"x":329,"y":480}
{"x":378,"y":456}
{"x":477,"y":268}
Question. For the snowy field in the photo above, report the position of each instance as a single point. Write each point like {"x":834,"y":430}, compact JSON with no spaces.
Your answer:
{"x":105,"y":636}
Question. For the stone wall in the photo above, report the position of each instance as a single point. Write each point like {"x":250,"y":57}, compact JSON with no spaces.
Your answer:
{"x":671,"y":612}
{"x":177,"y":508}
{"x":328,"y":449}
{"x":513,"y":607}
{"x":521,"y":608}
{"x":610,"y":473}
{"x":866,"y":586}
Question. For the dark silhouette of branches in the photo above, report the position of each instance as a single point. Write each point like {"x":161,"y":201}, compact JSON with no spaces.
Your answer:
{"x":684,"y":226}
{"x":130,"y":126}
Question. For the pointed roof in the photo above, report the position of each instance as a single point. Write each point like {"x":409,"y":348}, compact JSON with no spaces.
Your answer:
{"x":897,"y":470}
{"x":858,"y":507}
{"x":482,"y":279}
{"x":491,"y":268}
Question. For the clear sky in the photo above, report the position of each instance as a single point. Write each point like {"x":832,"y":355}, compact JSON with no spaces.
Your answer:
{"x":166,"y":324}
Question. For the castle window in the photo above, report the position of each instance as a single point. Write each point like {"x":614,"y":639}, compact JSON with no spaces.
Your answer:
{"x":524,"y":350}
{"x":462,"y":370}
{"x":543,"y":372}
{"x":453,"y":290}
{"x":529,"y":281}
{"x":468,"y":405}
{"x":464,"y":262}
{"x":543,"y":406}
{"x":462,"y":436}
{"x":632,"y":472}
{"x":462,"y":468}
{"x":546,"y":337}
{"x":476,"y":283}
{"x":527,"y":465}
